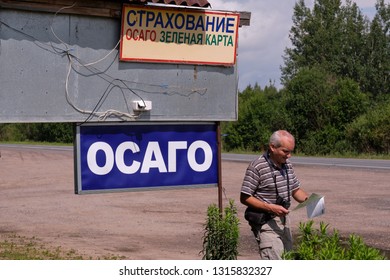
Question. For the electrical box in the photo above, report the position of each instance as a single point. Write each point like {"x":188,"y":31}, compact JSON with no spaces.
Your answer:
{"x":142,"y":105}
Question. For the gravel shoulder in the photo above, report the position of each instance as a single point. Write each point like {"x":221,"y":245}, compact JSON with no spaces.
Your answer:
{"x":37,"y":200}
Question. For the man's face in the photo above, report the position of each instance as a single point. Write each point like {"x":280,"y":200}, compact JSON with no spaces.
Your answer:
{"x":281,"y":154}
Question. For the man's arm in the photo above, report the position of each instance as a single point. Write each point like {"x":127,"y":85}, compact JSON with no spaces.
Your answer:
{"x":299,"y":195}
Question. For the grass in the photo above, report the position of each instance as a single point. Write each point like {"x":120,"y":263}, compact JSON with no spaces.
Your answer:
{"x":15,"y":247}
{"x":36,"y":143}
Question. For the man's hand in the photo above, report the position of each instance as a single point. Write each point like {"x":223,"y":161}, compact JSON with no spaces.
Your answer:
{"x":278,"y":210}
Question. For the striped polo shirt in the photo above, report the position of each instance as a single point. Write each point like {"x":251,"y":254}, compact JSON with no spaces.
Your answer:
{"x":259,"y":181}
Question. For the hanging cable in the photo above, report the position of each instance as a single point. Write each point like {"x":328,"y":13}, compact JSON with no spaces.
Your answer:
{"x":75,"y":63}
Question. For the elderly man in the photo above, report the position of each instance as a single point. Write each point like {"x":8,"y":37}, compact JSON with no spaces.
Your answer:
{"x":267,"y":188}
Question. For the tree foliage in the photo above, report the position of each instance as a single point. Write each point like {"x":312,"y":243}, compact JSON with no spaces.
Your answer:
{"x":315,"y":37}
{"x":38,"y":132}
{"x":370,"y":132}
{"x":259,"y":113}
{"x":340,"y":40}
{"x":335,"y":76}
{"x":320,"y":106}
{"x":377,"y":64}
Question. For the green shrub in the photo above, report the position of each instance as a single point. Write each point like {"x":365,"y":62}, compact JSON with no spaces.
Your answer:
{"x":12,"y":132}
{"x":220,"y":239}
{"x":370,"y":133}
{"x":318,"y":244}
{"x":37,"y":132}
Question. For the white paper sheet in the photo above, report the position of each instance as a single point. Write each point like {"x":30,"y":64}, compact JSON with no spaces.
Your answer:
{"x":315,"y":205}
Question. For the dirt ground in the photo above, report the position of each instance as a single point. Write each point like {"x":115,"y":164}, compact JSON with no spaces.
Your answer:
{"x":37,"y":200}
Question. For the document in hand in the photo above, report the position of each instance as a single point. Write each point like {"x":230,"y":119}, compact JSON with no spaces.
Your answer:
{"x":315,"y":205}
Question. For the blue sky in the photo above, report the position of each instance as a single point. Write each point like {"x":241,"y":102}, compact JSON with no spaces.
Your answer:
{"x":262,"y":44}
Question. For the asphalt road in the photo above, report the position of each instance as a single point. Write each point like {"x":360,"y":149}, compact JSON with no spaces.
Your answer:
{"x":320,"y":161}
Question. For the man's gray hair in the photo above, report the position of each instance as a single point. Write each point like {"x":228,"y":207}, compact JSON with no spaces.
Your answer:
{"x":275,"y":138}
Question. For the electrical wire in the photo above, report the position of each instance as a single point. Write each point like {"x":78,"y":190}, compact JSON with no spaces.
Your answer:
{"x":52,"y":23}
{"x":102,"y":116}
{"x":74,"y":63}
{"x":138,"y":86}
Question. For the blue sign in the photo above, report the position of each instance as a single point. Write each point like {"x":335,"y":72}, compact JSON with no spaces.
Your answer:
{"x":121,"y":157}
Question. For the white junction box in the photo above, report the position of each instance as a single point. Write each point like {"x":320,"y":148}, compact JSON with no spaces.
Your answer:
{"x":142,"y":105}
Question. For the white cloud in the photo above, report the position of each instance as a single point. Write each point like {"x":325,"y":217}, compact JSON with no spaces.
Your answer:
{"x":262,"y":44}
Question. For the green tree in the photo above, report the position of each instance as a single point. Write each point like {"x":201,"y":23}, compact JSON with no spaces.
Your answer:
{"x":331,"y":36}
{"x":41,"y":132}
{"x":336,"y":55}
{"x":260,"y":113}
{"x":377,"y":79}
{"x":320,"y":106}
{"x":370,"y":133}
{"x":339,"y":39}
{"x":307,"y":99}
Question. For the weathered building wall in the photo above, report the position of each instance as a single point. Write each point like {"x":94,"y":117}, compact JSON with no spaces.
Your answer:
{"x":65,"y":68}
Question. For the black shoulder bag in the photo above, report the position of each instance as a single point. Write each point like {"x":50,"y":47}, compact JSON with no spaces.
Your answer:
{"x":256,"y":217}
